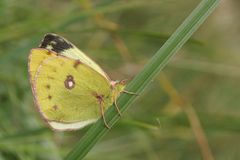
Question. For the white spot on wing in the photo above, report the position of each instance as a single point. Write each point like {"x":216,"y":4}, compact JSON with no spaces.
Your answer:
{"x":70,"y":84}
{"x":53,"y":42}
{"x":49,"y":47}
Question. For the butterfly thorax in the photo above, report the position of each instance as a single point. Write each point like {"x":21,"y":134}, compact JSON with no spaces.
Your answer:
{"x":107,"y":100}
{"x":117,"y":88}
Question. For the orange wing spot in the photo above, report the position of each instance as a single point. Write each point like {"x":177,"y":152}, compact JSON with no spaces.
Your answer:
{"x":48,"y":52}
{"x":49,"y":97}
{"x":76,"y":63}
{"x":55,"y":107}
{"x":48,"y":86}
{"x":49,"y":77}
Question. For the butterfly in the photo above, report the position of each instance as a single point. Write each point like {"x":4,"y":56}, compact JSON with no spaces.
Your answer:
{"x":70,"y":90}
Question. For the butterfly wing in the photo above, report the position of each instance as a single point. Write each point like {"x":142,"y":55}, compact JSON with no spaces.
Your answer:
{"x":65,"y":90}
{"x":35,"y":59}
{"x":63,"y":47}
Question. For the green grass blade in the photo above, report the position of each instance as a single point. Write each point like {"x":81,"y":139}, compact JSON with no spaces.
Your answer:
{"x":144,"y":78}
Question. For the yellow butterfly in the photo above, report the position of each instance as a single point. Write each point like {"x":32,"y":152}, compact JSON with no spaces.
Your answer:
{"x":70,"y":90}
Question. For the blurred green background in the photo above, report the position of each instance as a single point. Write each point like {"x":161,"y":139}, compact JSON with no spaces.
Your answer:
{"x":191,"y":111}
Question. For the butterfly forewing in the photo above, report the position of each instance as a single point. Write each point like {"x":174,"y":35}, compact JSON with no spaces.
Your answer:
{"x":63,"y":47}
{"x":35,"y":59}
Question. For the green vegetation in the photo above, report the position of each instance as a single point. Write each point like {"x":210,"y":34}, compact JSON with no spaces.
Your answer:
{"x":189,"y":112}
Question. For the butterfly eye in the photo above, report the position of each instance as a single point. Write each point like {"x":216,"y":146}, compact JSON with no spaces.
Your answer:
{"x":123,"y":82}
{"x":69,"y":82}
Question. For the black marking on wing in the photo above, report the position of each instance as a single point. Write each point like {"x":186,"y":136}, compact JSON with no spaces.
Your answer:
{"x":57,"y":43}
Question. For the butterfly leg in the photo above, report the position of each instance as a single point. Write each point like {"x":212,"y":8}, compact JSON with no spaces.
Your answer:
{"x":102,"y":114}
{"x":115,"y":101}
{"x":118,"y":110}
{"x":132,"y":93}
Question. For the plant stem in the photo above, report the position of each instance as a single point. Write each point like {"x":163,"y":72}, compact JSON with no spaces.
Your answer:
{"x":145,"y":77}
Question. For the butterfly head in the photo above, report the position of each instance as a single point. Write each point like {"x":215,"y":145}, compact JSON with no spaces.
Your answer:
{"x":119,"y":86}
